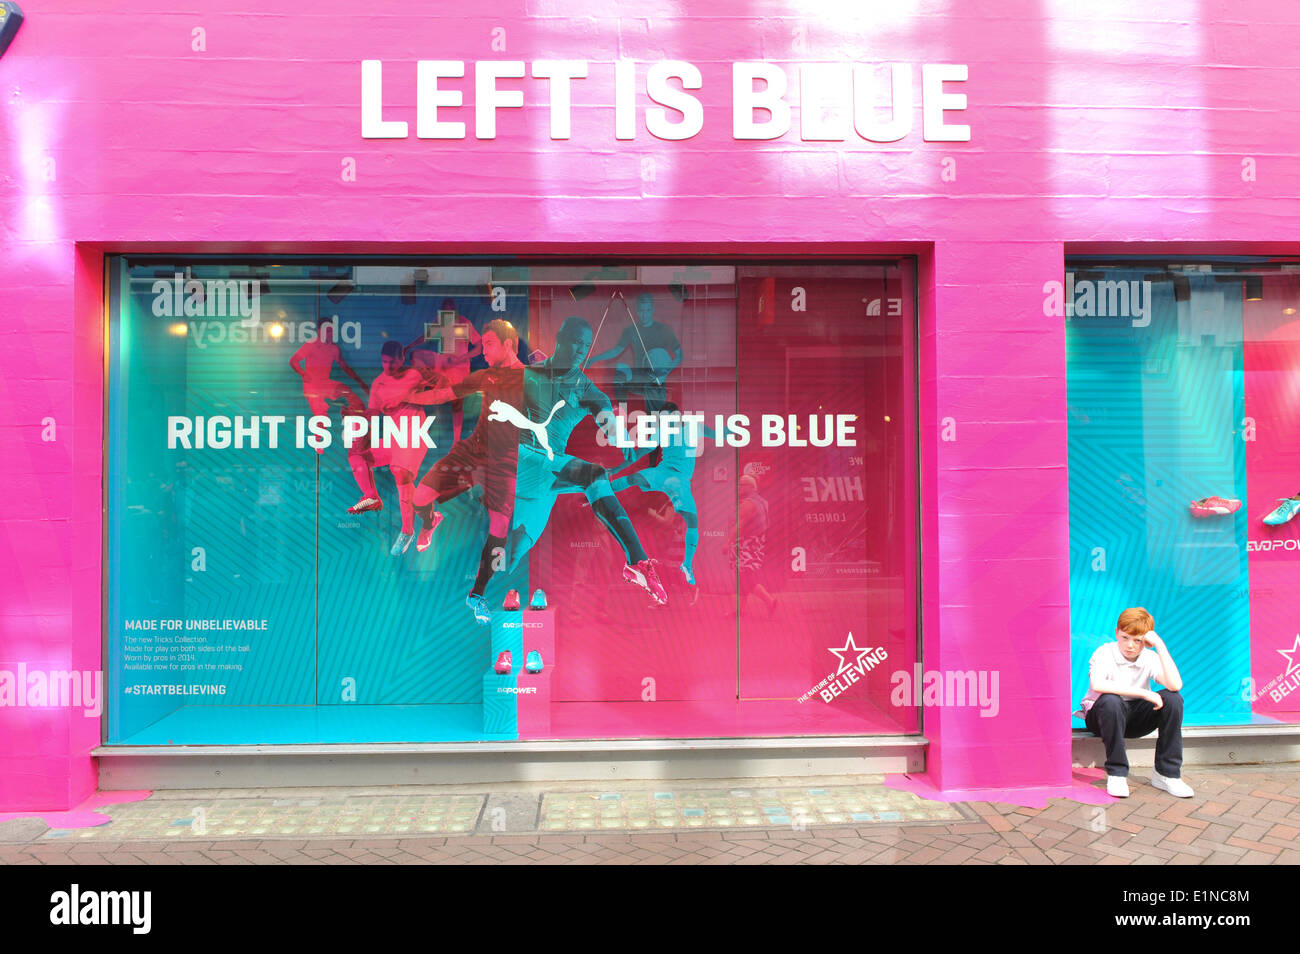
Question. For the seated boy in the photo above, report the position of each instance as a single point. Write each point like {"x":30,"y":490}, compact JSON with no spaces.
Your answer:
{"x":1120,"y":704}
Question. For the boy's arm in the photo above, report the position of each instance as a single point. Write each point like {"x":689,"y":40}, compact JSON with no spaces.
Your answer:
{"x":1172,"y":680}
{"x":1105,"y":685}
{"x":1099,"y":683}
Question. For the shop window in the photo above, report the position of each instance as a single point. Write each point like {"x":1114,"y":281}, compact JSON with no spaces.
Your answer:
{"x":748,"y":427}
{"x":1184,"y":386}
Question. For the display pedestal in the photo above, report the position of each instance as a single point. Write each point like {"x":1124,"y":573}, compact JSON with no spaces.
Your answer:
{"x":521,"y":701}
{"x":535,"y":707}
{"x":499,"y":704}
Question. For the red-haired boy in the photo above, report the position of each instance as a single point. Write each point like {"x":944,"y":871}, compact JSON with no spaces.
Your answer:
{"x":1120,"y":704}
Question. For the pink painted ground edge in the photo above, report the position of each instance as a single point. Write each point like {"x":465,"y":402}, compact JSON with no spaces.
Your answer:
{"x":1080,"y":789}
{"x":83,"y":814}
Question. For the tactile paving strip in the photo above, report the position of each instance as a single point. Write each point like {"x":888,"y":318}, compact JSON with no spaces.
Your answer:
{"x":338,"y":816}
{"x":796,"y":808}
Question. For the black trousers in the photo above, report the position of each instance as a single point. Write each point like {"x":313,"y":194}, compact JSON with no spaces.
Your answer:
{"x":1116,"y":718}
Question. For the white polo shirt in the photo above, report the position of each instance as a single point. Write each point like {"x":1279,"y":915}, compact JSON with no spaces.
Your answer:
{"x":1109,"y":664}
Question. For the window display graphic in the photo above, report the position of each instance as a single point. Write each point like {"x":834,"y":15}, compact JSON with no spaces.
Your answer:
{"x":672,"y":477}
{"x":463,"y":502}
{"x":487,"y":458}
{"x":1183,"y":437}
{"x":315,"y":361}
{"x":655,"y":352}
{"x":559,"y":396}
{"x":393,"y":395}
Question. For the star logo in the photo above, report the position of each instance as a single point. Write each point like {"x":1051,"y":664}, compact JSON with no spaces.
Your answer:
{"x":1292,"y":664}
{"x":844,"y":651}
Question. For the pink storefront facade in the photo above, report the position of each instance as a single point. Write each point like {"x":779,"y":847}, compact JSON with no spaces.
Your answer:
{"x":1034,"y":132}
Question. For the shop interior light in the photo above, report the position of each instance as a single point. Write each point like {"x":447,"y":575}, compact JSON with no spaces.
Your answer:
{"x":1288,"y":311}
{"x":11,"y":18}
{"x":1254,"y":288}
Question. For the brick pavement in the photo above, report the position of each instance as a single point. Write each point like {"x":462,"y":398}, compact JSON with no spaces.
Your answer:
{"x":1238,"y":816}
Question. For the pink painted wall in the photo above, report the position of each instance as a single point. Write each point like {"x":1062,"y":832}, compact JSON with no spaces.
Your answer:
{"x":1128,"y":126}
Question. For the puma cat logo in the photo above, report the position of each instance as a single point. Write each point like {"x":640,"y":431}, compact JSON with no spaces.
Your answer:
{"x":501,"y":411}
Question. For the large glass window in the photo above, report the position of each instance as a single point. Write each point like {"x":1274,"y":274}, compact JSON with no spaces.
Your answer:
{"x":393,"y":501}
{"x":1184,"y":430}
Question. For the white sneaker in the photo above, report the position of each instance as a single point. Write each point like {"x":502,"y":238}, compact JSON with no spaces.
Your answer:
{"x":1174,"y":786}
{"x":1117,"y":785}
